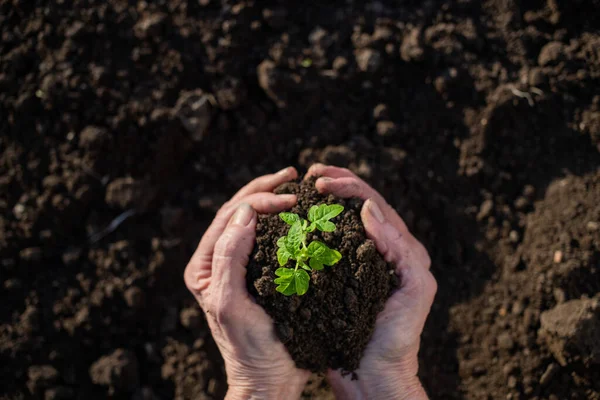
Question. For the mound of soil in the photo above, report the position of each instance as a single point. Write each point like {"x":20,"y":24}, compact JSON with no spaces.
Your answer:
{"x":330,"y":325}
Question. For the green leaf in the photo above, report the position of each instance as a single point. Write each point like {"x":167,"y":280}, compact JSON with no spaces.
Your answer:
{"x":316,"y":264}
{"x":284,"y":272}
{"x":295,"y":237}
{"x":289,"y":218}
{"x":291,"y":282}
{"x":302,"y":278}
{"x":283,"y":256}
{"x":303,"y":265}
{"x":326,"y":226}
{"x":321,"y":255}
{"x":283,"y":252}
{"x":320,"y":216}
{"x":286,"y":285}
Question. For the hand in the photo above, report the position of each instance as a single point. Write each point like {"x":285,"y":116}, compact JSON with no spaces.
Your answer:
{"x":388,"y":369}
{"x":256,"y":362}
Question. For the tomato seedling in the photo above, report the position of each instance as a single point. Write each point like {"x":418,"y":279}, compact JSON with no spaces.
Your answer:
{"x":313,"y":256}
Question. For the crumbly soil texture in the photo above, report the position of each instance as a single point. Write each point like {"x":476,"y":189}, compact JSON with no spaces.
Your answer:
{"x":330,"y":325}
{"x":125,"y":125}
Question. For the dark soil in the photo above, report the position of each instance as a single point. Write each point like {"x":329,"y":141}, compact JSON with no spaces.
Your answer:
{"x":330,"y":325}
{"x":479,"y":121}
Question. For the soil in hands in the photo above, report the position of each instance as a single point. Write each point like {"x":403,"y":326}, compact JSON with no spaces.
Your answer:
{"x":330,"y":325}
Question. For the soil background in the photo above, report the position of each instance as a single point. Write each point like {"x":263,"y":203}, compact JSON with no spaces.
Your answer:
{"x":125,"y":125}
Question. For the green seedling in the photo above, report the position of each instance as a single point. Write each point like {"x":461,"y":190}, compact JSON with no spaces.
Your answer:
{"x":308,"y":257}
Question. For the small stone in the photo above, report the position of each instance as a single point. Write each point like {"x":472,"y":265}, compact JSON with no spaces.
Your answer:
{"x":31,"y":254}
{"x":592,"y":226}
{"x":194,"y":111}
{"x":549,"y":374}
{"x":340,"y":63}
{"x":514,"y":237}
{"x":368,"y":60}
{"x":149,"y":25}
{"x":319,"y":37}
{"x":509,"y":369}
{"x":387,"y":128}
{"x":126,"y":193}
{"x":411,"y":49}
{"x":512,"y":382}
{"x":505,"y":341}
{"x":529,"y":192}
{"x":485,"y":209}
{"x":537,"y":77}
{"x":41,"y":377}
{"x":521,"y":203}
{"x":191,"y":318}
{"x":71,"y":256}
{"x":381,"y":112}
{"x":551,"y":54}
{"x":76,"y":29}
{"x":518,"y":307}
{"x":118,"y":371}
{"x":94,"y":138}
{"x":572,"y":331}
{"x":134,"y":297}
{"x":558,"y":256}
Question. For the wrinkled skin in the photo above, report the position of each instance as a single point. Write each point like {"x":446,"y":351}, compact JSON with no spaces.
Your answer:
{"x":256,"y":362}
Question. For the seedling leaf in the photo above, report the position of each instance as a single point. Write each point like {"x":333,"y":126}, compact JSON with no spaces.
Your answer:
{"x":296,"y":236}
{"x":312,"y":257}
{"x":289,"y":218}
{"x":320,"y":216}
{"x":302,"y":279}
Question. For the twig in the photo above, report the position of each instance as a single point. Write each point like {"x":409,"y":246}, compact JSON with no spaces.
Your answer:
{"x":111,"y":227}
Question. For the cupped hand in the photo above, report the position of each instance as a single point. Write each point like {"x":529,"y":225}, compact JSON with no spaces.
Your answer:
{"x":388,"y":369}
{"x":256,"y":362}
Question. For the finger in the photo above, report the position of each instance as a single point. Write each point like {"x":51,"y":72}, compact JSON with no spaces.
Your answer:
{"x":397,"y":246}
{"x":340,"y":385}
{"x":230,"y":259}
{"x":355,"y":187}
{"x":328,"y":171}
{"x":267,"y":183}
{"x":413,"y":300}
{"x":197,"y":274}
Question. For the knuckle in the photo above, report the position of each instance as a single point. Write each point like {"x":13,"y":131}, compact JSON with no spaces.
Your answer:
{"x":224,"y":312}
{"x":430,"y":286}
{"x":227,"y":244}
{"x":189,"y":280}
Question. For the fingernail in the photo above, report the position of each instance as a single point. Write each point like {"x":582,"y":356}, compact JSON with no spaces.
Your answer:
{"x":325,"y":179}
{"x":243,"y":215}
{"x":375,"y":211}
{"x":284,"y":171}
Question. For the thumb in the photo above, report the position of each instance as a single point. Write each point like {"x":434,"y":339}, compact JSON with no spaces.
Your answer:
{"x":230,"y":258}
{"x":418,"y":286}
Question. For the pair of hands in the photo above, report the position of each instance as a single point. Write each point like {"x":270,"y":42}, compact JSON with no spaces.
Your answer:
{"x":256,"y":362}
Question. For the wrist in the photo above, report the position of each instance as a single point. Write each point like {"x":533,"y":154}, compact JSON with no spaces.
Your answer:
{"x":255,"y":389}
{"x":393,"y":388}
{"x":238,"y":393}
